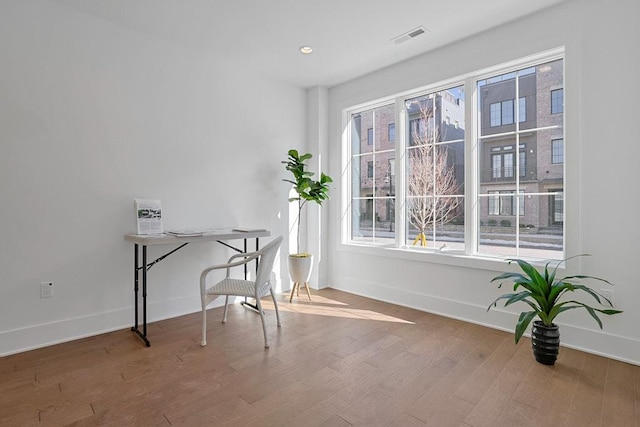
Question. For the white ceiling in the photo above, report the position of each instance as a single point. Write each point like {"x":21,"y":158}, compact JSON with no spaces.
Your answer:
{"x":349,"y":37}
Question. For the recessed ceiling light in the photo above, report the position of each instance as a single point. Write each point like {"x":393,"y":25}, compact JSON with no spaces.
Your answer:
{"x":306,"y":49}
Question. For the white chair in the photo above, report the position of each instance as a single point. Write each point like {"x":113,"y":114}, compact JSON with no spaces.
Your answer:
{"x":243,"y":288}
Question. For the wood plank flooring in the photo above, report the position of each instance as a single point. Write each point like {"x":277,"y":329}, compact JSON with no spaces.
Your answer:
{"x":338,"y":360}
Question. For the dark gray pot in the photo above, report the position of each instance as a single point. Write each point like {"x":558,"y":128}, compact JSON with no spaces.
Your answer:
{"x":545,"y":341}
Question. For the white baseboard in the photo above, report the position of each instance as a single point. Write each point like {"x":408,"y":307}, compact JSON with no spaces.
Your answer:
{"x":597,"y":342}
{"x":46,"y":334}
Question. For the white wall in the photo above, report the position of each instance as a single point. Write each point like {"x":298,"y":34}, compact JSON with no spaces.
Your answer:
{"x":93,"y":116}
{"x":602,"y":94}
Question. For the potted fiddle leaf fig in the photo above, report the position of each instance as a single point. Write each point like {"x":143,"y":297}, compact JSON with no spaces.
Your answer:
{"x":546,"y":297}
{"x":307,"y":190}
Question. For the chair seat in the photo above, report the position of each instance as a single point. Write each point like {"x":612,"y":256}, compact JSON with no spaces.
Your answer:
{"x":239,"y":287}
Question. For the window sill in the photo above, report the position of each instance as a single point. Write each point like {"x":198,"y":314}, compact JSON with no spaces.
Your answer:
{"x":453,"y":258}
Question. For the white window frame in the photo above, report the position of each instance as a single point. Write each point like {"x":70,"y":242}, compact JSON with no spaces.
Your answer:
{"x":470,"y":257}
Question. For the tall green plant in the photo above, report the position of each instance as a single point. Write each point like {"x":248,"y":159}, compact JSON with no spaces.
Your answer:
{"x":543,"y":293}
{"x":308,"y":190}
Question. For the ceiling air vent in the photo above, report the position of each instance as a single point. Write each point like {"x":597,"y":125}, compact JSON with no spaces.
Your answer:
{"x":409,"y":35}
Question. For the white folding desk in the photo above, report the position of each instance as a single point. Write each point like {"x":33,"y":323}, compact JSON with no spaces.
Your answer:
{"x":142,"y":241}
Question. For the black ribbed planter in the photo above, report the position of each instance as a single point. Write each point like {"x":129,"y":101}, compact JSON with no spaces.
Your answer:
{"x":545,"y":341}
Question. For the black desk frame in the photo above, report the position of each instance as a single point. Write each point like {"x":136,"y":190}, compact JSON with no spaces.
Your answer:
{"x":144,"y":267}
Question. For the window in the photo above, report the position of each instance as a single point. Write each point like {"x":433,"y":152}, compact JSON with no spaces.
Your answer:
{"x":496,"y":116}
{"x":372,"y":212}
{"x":494,"y":203}
{"x":504,"y":203}
{"x":391,"y":132}
{"x":557,"y":101}
{"x":557,"y":151}
{"x":524,"y":203}
{"x":515,"y":206}
{"x":522,"y":110}
{"x":502,"y":112}
{"x":507,"y":112}
{"x":556,"y":203}
{"x":434,"y":171}
{"x":503,"y":166}
{"x":496,"y":161}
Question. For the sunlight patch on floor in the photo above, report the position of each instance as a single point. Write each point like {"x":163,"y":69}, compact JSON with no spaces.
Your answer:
{"x":319,"y":306}
{"x":317,"y":299}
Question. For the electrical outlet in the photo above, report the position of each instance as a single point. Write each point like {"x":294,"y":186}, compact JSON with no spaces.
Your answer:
{"x":607,"y":293}
{"x":46,"y":289}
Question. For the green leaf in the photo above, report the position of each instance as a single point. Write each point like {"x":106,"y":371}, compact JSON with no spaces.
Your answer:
{"x":523,"y":322}
{"x":592,"y":311}
{"x":513,"y":298}
{"x":582,"y":276}
{"x":521,"y":296}
{"x":513,"y":276}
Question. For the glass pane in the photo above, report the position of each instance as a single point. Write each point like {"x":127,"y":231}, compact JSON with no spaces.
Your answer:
{"x":384,"y":117}
{"x":527,"y":82}
{"x":522,"y":109}
{"x":420,"y":211}
{"x":361,"y":181}
{"x":356,"y":177}
{"x":435,"y":170}
{"x":497,"y":234}
{"x":362,"y":132}
{"x":495,"y":104}
{"x":371,"y":221}
{"x":507,"y":112}
{"x":356,"y":133}
{"x":496,"y":162}
{"x":384,"y":220}
{"x":421,"y":113}
{"x":540,"y":235}
{"x":508,"y":165}
{"x":361,"y":229}
{"x":548,"y":172}
{"x":448,"y":231}
{"x":455,"y":162}
{"x":451,"y":104}
{"x":384,"y":173}
{"x":550,"y":94}
{"x":537,"y":232}
{"x":419,"y":171}
{"x":436,"y":222}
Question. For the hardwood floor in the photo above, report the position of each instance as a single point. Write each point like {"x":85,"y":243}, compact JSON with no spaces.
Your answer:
{"x":339,"y":360}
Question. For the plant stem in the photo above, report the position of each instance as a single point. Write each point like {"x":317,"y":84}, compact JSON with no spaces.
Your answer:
{"x":301,"y":203}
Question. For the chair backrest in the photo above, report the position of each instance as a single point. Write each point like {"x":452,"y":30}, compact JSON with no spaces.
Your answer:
{"x":265,"y":265}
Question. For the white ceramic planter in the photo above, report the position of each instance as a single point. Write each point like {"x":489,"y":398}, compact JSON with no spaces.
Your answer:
{"x":300,"y":268}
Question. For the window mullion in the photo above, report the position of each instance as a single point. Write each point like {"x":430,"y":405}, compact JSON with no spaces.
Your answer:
{"x":516,"y":194}
{"x":472,"y":171}
{"x":400,"y":165}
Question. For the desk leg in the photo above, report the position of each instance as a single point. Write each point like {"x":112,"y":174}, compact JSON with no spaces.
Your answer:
{"x":246,"y":303}
{"x":136,"y":261}
{"x":136,"y":275}
{"x":144,"y":294}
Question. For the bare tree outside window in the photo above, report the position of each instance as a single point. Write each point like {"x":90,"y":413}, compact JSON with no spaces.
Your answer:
{"x":431,"y":180}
